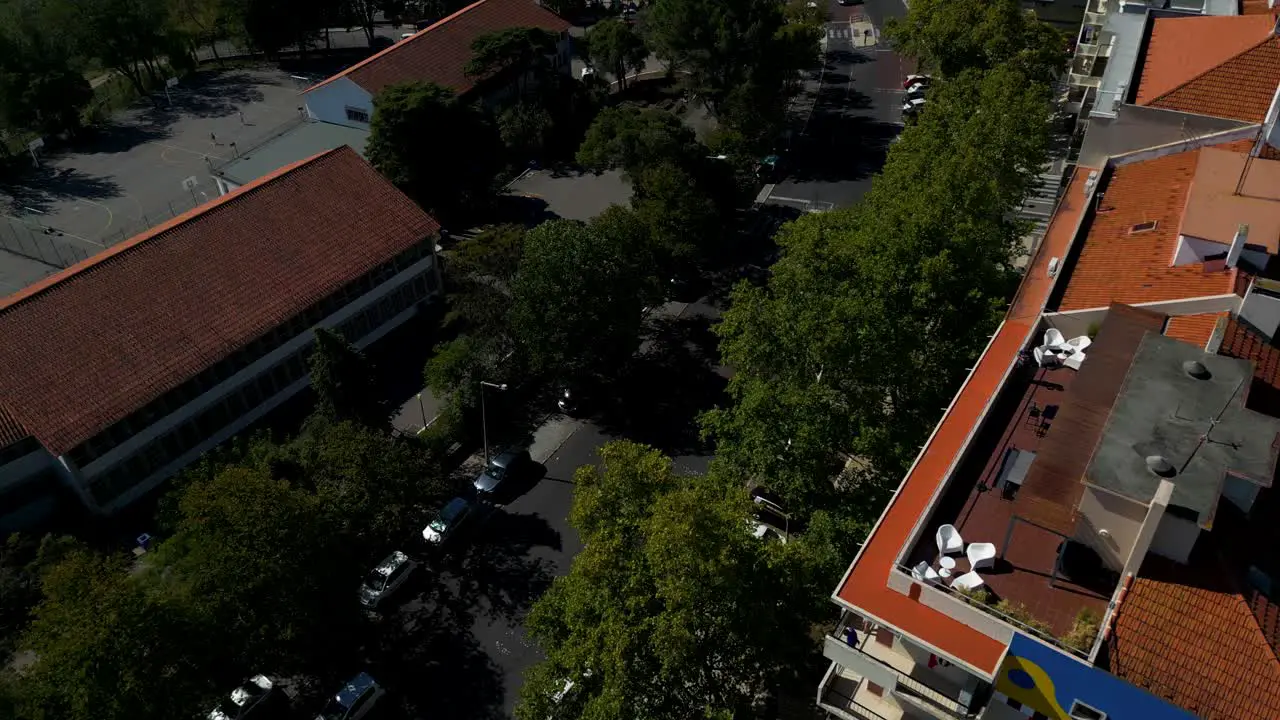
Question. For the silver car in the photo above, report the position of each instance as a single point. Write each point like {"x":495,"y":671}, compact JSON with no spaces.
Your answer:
{"x":254,"y":693}
{"x":385,"y":578}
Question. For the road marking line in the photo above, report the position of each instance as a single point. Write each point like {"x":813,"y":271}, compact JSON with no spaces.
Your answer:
{"x":192,"y":152}
{"x":110,"y":217}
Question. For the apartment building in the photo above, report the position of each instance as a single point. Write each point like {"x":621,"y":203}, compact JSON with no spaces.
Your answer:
{"x":1132,"y":58}
{"x":1089,"y":533}
{"x":125,"y":368}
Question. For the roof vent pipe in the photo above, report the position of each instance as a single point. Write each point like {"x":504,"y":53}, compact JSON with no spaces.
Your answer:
{"x":1196,"y":369}
{"x":1158,"y":465}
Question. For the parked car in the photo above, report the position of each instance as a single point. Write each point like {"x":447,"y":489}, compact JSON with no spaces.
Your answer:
{"x":354,"y":700}
{"x":501,"y":468}
{"x":384,"y":579}
{"x":769,"y":520}
{"x":917,"y":90}
{"x":247,"y":701}
{"x":912,"y":106}
{"x":914,"y":79}
{"x":453,"y":515}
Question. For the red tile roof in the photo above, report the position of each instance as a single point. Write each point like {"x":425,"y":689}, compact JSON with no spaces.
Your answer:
{"x":11,"y":430}
{"x":93,"y":343}
{"x":1118,"y":265}
{"x":1187,"y":634}
{"x":1194,"y":329}
{"x":1256,"y":7}
{"x":439,"y":53}
{"x":864,"y":587}
{"x":1234,"y":76}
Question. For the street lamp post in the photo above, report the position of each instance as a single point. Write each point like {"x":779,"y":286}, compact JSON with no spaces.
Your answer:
{"x":484,"y":420}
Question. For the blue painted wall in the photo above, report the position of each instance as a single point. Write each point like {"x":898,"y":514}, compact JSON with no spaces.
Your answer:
{"x":1048,"y":681}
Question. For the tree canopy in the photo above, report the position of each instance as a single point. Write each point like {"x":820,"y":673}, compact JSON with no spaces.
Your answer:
{"x":522,"y":50}
{"x":439,"y":151}
{"x":950,"y":37}
{"x":612,"y":45}
{"x":343,"y":381}
{"x":577,"y":298}
{"x":631,"y":138}
{"x":870,"y":316}
{"x":671,"y":587}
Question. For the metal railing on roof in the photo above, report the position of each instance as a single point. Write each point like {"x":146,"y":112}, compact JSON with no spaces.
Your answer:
{"x":849,"y":706}
{"x":271,"y":135}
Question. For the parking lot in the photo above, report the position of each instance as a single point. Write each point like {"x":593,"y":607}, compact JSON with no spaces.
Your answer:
{"x":125,"y":177}
{"x":571,"y":195}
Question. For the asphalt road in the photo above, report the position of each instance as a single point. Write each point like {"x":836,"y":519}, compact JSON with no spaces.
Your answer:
{"x":856,"y":114}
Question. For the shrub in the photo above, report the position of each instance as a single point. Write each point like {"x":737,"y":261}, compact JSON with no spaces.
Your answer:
{"x":1084,"y":630}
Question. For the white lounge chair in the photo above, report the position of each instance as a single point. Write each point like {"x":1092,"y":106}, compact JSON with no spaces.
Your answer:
{"x":981,"y":555}
{"x":948,"y":539}
{"x":968,"y":581}
{"x":923,"y":571}
{"x":1079,"y":344}
{"x":1074,"y":360}
{"x":1053,"y":338}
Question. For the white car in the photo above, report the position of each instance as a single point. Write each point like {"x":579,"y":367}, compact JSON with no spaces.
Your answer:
{"x":245,"y":699}
{"x":912,"y":106}
{"x":917,"y":90}
{"x":385,"y":578}
{"x":453,"y":515}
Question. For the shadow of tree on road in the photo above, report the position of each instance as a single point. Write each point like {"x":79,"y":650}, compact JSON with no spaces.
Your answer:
{"x":44,"y":185}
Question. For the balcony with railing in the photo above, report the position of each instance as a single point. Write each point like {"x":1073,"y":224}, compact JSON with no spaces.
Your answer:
{"x":918,"y":683}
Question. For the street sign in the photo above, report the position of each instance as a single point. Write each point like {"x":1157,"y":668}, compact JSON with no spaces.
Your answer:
{"x":190,"y":183}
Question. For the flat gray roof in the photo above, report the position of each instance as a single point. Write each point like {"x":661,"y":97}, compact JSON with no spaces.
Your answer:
{"x":1199,"y":425}
{"x":298,"y":143}
{"x":1123,"y":32}
{"x":1137,"y":128}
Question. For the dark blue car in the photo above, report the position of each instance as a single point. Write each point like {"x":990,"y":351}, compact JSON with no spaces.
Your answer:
{"x":354,"y":700}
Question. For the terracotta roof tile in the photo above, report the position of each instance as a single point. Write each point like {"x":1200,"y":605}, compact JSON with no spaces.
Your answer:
{"x":1256,"y":7}
{"x":1194,"y":329}
{"x":1116,"y":264}
{"x":439,"y":53}
{"x":93,"y":343}
{"x":1187,"y":634}
{"x":11,"y":429}
{"x":1235,"y":76}
{"x":865,"y":585}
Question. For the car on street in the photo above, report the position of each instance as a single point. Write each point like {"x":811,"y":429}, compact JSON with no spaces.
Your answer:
{"x":502,"y":468}
{"x":917,"y":90}
{"x":251,"y":700}
{"x":769,"y":520}
{"x":452,"y":516}
{"x":912,"y":106}
{"x":385,"y":579}
{"x":914,"y":79}
{"x":356,"y":698}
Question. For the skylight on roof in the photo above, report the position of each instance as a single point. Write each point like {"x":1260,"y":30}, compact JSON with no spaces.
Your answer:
{"x":1144,"y":226}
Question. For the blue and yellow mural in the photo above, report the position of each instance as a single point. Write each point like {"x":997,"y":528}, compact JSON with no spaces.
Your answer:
{"x":1049,"y":681}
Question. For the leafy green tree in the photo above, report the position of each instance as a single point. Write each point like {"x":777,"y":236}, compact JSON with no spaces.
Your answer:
{"x":104,"y":646}
{"x":631,"y":138}
{"x":125,"y":35}
{"x":39,"y":90}
{"x":526,"y":130}
{"x":670,"y":587}
{"x":683,"y":222}
{"x":577,"y":298}
{"x":445,"y":178}
{"x":873,"y":313}
{"x":377,"y":487}
{"x":520,"y":51}
{"x":262,"y":562}
{"x":612,"y":45}
{"x":207,"y":21}
{"x":23,"y":559}
{"x":950,"y":37}
{"x":734,"y":54}
{"x":343,"y":381}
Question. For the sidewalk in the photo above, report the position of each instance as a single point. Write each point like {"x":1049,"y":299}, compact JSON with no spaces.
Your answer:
{"x":547,"y":439}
